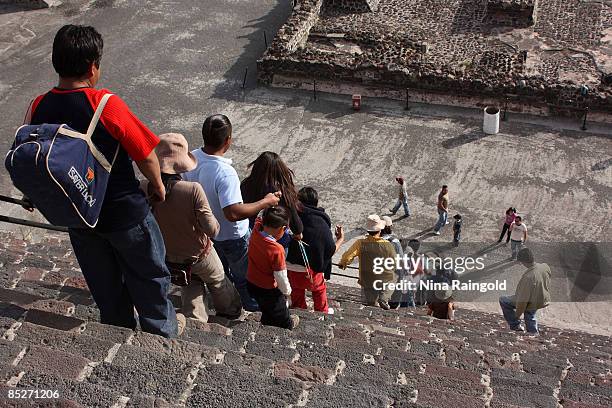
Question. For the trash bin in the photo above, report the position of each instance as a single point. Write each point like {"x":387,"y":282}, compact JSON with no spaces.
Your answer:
{"x":356,"y":102}
{"x":491,"y":120}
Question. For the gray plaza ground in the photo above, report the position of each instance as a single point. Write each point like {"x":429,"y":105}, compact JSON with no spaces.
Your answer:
{"x":175,"y":62}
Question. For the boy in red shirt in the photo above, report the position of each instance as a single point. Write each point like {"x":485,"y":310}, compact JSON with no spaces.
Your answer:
{"x":267,"y":273}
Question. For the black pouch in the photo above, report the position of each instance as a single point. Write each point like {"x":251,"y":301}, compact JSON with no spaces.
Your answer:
{"x":180,"y":273}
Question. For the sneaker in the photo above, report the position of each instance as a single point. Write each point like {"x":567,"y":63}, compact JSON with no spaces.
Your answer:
{"x":436,"y":232}
{"x":330,"y":310}
{"x":181,"y":322}
{"x":447,"y":222}
{"x":392,"y":212}
{"x":499,"y":241}
{"x":384,"y":305}
{"x":295,"y":321}
{"x":518,"y":328}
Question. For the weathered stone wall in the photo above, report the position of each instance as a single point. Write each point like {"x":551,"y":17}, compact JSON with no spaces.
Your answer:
{"x":514,"y":13}
{"x":454,"y":53}
{"x":294,"y":33}
{"x":352,"y":6}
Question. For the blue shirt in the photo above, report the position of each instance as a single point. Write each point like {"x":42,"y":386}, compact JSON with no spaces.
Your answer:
{"x":222,"y":187}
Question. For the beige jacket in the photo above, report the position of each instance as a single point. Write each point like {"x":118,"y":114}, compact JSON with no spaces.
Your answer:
{"x":533,"y":290}
{"x":186,"y":221}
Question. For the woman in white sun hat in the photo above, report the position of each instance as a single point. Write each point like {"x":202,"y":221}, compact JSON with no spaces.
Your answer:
{"x":372,"y":251}
{"x":187,"y":225}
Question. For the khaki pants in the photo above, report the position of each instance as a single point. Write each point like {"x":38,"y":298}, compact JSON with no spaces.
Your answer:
{"x":370,"y":296}
{"x":225,"y":297}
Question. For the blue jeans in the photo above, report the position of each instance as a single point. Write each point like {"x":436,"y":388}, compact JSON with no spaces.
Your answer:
{"x":404,"y":203}
{"x":235,"y":260}
{"x":126,"y":270}
{"x":442,"y":218}
{"x":515,"y":246}
{"x":508,"y":305}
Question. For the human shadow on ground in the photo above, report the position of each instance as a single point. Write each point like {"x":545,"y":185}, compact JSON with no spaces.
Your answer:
{"x":265,"y":29}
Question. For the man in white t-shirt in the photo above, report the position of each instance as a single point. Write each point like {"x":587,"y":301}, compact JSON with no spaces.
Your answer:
{"x":222,"y":187}
{"x":518,"y":235}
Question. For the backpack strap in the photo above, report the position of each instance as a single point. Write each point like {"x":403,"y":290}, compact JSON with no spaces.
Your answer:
{"x":87,"y":136}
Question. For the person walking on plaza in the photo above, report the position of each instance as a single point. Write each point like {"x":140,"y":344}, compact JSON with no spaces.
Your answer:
{"x":319,"y":247}
{"x":508,"y":220}
{"x":187,"y":225}
{"x":532,"y":293}
{"x":457,"y":227}
{"x":402,"y":198}
{"x":269,"y":174}
{"x":442,"y":210}
{"x":267,"y":273}
{"x":518,"y":235}
{"x":122,"y":257}
{"x":367,"y":250}
{"x":222,"y":187}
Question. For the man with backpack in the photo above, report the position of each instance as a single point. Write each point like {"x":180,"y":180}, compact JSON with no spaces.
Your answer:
{"x":122,"y":257}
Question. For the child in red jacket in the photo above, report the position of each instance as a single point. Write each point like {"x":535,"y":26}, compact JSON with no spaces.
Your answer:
{"x":267,"y":273}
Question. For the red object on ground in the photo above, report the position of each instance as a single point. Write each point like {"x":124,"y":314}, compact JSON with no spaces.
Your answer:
{"x":356,"y":102}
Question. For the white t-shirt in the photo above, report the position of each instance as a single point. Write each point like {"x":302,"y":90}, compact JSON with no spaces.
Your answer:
{"x":518,"y":231}
{"x":222,"y":187}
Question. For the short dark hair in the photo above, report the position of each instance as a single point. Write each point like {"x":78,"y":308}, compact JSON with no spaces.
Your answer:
{"x":75,"y":48}
{"x":414,"y":244}
{"x":216,"y":130}
{"x":308,"y":196}
{"x":275,"y":217}
{"x":518,"y":217}
{"x":525,"y":256}
{"x":444,"y":186}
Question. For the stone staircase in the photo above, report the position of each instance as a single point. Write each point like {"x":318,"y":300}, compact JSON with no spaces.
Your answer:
{"x":358,"y":357}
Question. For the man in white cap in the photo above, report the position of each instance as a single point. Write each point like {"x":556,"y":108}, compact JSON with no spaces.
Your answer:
{"x":372,"y":251}
{"x":188,"y":226}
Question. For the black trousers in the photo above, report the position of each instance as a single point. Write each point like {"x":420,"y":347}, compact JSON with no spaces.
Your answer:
{"x":504,"y":230}
{"x":273,"y":306}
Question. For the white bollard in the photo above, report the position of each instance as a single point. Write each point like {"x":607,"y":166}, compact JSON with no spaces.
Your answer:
{"x":491,"y":120}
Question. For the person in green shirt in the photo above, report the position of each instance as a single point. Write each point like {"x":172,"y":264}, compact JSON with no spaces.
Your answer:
{"x":532,"y":293}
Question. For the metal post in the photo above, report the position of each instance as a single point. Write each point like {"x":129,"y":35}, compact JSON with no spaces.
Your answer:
{"x":246,"y":70}
{"x":265,"y":39}
{"x":505,"y":116}
{"x":407,"y":107}
{"x":314,"y":88}
{"x":586,"y":113}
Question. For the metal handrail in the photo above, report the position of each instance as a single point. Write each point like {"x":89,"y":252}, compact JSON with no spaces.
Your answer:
{"x":28,"y":223}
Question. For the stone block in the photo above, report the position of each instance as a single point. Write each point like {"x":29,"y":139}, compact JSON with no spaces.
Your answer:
{"x":302,"y":372}
{"x":54,"y":362}
{"x":210,"y":379}
{"x":59,"y":307}
{"x":130,"y":381}
{"x":177,"y":348}
{"x":53,"y":320}
{"x":211,"y":339}
{"x":10,"y":350}
{"x":433,"y":397}
{"x":248,"y":362}
{"x":107,"y":332}
{"x":149,"y":361}
{"x":530,"y":396}
{"x":79,"y":344}
{"x":271,"y":351}
{"x":84,"y":393}
{"x":326,"y":396}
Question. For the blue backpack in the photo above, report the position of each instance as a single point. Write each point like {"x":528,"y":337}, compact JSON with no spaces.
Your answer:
{"x":61,"y":171}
